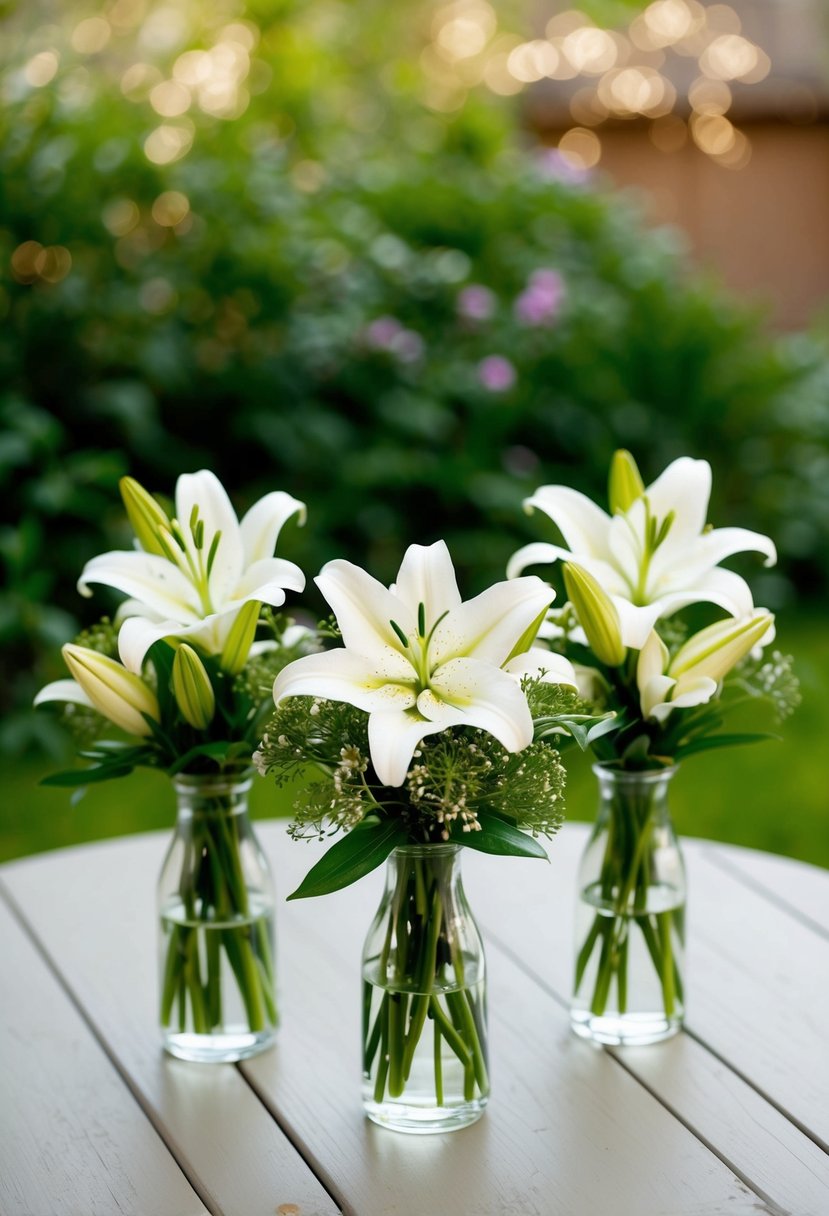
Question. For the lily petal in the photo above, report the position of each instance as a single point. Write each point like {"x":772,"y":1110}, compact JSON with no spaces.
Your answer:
{"x":427,"y":577}
{"x":637,"y":622}
{"x":557,"y":669}
{"x":261,"y":526}
{"x":582,"y":524}
{"x":364,"y":608}
{"x":392,"y":739}
{"x":269,"y":577}
{"x":487,"y":698}
{"x":343,"y":675}
{"x":204,"y":491}
{"x":488,"y":626}
{"x":64,"y":690}
{"x":683,"y":488}
{"x":713,"y":546}
{"x":146,"y":577}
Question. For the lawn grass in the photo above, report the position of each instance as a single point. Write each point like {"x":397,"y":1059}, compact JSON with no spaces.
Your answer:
{"x":772,"y":796}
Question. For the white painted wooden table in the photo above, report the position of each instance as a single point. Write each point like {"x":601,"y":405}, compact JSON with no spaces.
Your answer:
{"x":732,"y":1116}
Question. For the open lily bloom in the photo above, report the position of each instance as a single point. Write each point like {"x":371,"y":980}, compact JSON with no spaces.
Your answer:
{"x":418,"y":660}
{"x":692,"y":677}
{"x":191,"y":575}
{"x":654,"y":557}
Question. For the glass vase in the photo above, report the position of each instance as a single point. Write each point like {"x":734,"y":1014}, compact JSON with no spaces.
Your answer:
{"x":630,"y":916}
{"x":425,"y":1066}
{"x":216,"y":910}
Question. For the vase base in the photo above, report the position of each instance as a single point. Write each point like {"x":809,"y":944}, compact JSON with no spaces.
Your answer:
{"x":424,"y":1120}
{"x":624,"y":1029}
{"x":222,"y":1048}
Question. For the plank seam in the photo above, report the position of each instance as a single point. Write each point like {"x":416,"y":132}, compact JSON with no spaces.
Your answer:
{"x":320,"y":1173}
{"x":146,"y":1107}
{"x":772,"y":1207}
{"x":781,"y":1110}
{"x":733,"y":870}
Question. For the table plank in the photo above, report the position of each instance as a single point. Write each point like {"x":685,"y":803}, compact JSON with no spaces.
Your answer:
{"x":93,"y":910}
{"x":758,"y":1142}
{"x":559,"y":1107}
{"x":795,"y":885}
{"x":71,"y":1114}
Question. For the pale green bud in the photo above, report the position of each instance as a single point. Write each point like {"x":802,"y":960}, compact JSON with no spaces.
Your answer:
{"x":597,"y":615}
{"x":714,"y":651}
{"x":118,"y":694}
{"x":240,"y":639}
{"x":192,"y":688}
{"x":145,"y":515}
{"x":626,"y":484}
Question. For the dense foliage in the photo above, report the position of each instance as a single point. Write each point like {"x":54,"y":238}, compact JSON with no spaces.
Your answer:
{"x":318,"y":285}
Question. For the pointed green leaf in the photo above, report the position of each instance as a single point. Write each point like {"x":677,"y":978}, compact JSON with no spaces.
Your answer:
{"x":501,"y":838}
{"x":362,"y":850}
{"x":712,"y":741}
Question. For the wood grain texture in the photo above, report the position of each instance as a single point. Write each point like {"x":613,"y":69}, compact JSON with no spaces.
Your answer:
{"x":93,"y":910}
{"x":72,"y":1137}
{"x":567,"y":1131}
{"x":570,"y":1131}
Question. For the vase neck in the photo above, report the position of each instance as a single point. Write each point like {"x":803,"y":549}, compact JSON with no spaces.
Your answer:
{"x":438,"y":862}
{"x":641,"y":794}
{"x":214,"y":795}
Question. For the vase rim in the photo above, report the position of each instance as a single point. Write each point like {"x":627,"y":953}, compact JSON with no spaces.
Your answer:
{"x":241,"y":781}
{"x":646,"y":776}
{"x":442,"y":847}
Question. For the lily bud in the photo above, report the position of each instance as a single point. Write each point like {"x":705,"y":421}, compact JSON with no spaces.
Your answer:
{"x":597,"y":615}
{"x":144,"y":514}
{"x":626,"y":484}
{"x":714,"y":651}
{"x":116,"y":693}
{"x":240,"y":639}
{"x":192,"y":688}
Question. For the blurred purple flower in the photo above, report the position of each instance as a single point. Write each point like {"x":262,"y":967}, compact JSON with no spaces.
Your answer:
{"x":496,"y":373}
{"x":542,"y":298}
{"x":555,"y":166}
{"x":387,"y":334}
{"x":380,"y":334}
{"x":476,"y":303}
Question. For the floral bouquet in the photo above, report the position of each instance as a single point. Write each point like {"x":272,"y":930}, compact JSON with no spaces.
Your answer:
{"x":627,"y":575}
{"x":425,"y":731}
{"x":181,"y":675}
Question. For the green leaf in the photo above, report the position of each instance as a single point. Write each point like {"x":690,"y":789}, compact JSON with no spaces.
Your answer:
{"x":214,"y":751}
{"x":362,"y":850}
{"x":583,"y":728}
{"x":501,"y":838}
{"x":86,"y":776}
{"x":712,"y":741}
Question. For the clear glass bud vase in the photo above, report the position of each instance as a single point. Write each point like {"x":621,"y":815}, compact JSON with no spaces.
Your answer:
{"x":216,"y":945}
{"x":630,"y":917}
{"x":425,"y":1066}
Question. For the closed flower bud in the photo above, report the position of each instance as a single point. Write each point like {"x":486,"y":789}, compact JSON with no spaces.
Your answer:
{"x":145,"y":515}
{"x":118,"y":694}
{"x":240,"y":638}
{"x":714,"y":651}
{"x":626,"y":484}
{"x":192,"y":688}
{"x":597,"y":615}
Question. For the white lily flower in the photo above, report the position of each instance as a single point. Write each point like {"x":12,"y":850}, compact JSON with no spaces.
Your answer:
{"x":692,"y":677}
{"x":204,"y":566}
{"x":653,"y":558}
{"x":103,"y":684}
{"x":418,"y":660}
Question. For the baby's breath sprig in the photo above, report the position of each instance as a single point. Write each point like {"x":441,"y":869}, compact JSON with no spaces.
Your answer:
{"x":770,"y":678}
{"x":455,"y":777}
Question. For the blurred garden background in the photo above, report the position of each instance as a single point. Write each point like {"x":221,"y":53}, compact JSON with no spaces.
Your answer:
{"x":408,"y":262}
